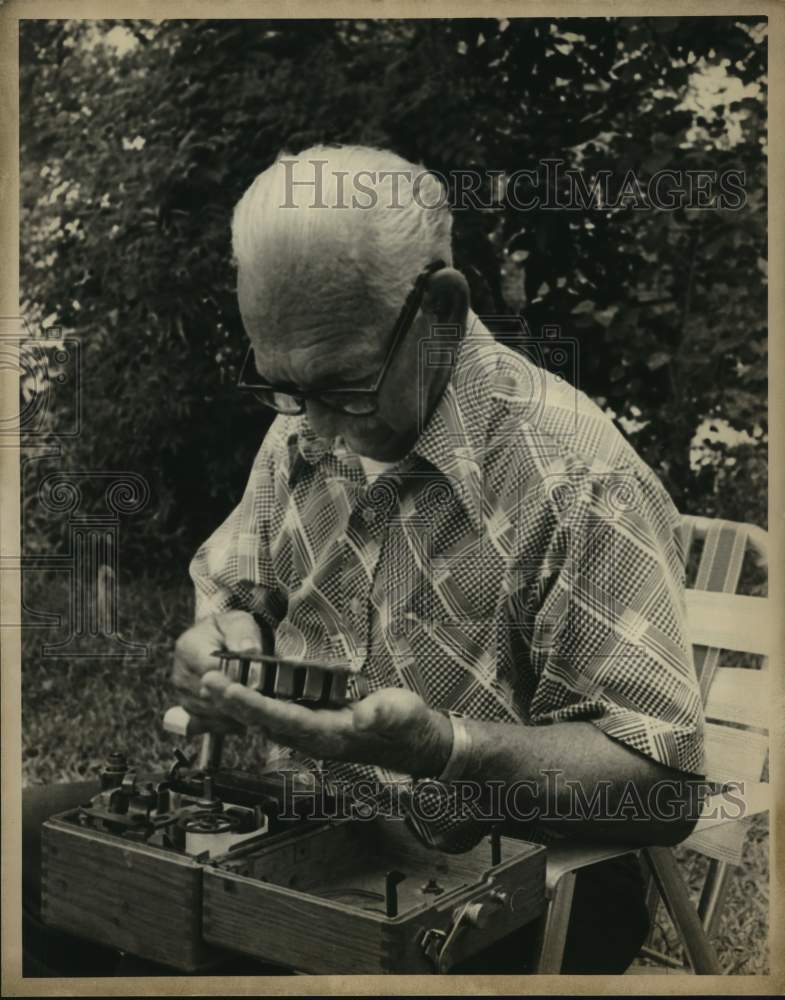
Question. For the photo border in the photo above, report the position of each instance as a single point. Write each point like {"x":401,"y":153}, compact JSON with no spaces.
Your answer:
{"x":13,"y":984}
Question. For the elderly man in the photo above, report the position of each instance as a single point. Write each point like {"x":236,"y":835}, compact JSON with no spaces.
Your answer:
{"x":470,"y":535}
{"x":473,"y":537}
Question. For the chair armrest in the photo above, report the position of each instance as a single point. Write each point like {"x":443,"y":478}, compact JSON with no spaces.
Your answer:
{"x":569,"y":857}
{"x":753,"y":799}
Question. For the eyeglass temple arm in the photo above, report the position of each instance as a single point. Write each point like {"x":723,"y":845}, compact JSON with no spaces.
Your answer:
{"x":409,"y":311}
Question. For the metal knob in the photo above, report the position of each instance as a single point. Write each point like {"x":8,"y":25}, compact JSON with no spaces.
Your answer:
{"x":477,"y":914}
{"x":113,"y":771}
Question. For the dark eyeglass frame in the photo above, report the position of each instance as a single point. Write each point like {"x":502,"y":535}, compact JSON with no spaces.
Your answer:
{"x":340,"y":399}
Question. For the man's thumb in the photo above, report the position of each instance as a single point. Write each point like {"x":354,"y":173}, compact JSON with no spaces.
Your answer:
{"x":240,"y":633}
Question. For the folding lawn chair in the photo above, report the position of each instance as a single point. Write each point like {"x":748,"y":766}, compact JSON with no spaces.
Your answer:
{"x":736,"y":740}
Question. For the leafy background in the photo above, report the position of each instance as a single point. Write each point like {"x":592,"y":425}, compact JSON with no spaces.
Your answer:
{"x":138,"y":137}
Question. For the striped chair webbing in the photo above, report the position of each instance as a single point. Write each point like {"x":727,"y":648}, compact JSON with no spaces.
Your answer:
{"x":719,"y":570}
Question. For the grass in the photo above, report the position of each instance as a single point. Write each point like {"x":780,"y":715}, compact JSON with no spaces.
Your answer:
{"x":77,"y":711}
{"x":742,"y":938}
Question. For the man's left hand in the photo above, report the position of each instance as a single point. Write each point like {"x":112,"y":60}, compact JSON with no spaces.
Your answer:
{"x":392,"y":728}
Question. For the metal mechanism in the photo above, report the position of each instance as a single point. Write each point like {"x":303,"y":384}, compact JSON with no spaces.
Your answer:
{"x":193,"y":811}
{"x":439,"y":945}
{"x":315,"y":685}
{"x":305,"y":681}
{"x":179,"y":852}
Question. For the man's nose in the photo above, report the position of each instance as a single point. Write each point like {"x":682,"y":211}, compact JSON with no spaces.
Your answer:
{"x":324,"y":421}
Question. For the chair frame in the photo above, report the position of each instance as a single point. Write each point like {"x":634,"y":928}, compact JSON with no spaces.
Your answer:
{"x":696,"y":927}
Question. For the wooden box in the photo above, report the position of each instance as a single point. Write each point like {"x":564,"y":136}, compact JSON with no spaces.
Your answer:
{"x":141,"y":899}
{"x":315,"y":900}
{"x":114,"y":870}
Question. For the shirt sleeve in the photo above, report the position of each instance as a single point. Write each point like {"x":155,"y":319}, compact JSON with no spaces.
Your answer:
{"x":609,"y":642}
{"x":233,"y":569}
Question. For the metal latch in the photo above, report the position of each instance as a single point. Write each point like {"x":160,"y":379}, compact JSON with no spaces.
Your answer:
{"x":438,"y":945}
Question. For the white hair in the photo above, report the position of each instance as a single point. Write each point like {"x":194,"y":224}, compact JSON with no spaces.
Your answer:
{"x":343,"y":210}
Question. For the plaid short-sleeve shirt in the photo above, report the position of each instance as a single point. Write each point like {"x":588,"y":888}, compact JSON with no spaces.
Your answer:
{"x":520,"y":564}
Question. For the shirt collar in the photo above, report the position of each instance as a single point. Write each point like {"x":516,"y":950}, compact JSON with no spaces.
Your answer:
{"x":453,"y":439}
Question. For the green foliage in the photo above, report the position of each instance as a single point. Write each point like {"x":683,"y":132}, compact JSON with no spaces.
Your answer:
{"x":134,"y":154}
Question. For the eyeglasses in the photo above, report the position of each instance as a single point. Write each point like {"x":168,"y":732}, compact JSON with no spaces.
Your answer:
{"x":290,"y":399}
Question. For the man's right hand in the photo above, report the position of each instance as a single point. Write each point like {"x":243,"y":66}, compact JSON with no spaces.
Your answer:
{"x":233,"y":630}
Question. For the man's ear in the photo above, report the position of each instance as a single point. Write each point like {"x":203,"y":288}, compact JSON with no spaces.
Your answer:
{"x":446,"y":297}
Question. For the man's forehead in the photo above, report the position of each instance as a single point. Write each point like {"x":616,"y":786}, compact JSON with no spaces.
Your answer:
{"x":314,"y":314}
{"x":303,"y":329}
{"x":308,"y":349}
{"x":304,"y":296}
{"x":282,"y":317}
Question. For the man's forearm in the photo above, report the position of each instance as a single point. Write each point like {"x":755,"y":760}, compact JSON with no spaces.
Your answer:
{"x":576,"y":777}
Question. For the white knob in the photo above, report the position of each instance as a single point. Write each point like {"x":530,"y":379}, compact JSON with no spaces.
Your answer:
{"x":176,"y":720}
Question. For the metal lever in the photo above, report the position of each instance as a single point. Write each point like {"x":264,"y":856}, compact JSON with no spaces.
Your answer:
{"x":438,"y":945}
{"x":210,"y":752}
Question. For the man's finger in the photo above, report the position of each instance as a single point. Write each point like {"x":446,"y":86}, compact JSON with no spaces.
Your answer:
{"x":193,"y":650}
{"x":275,"y":714}
{"x":207,"y":709}
{"x":239,"y":632}
{"x":184,"y":723}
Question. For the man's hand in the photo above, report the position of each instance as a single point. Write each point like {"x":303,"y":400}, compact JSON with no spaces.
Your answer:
{"x":193,"y":658}
{"x":392,"y":728}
